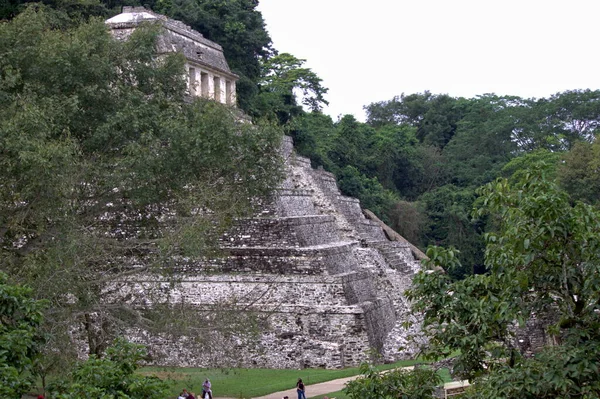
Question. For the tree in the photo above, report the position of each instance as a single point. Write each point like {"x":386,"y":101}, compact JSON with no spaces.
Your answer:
{"x":282,"y":79}
{"x":370,"y":192}
{"x":558,"y":122}
{"x":419,"y":383}
{"x":447,"y":210}
{"x":352,"y":144}
{"x":392,"y":157}
{"x":107,"y":172}
{"x":20,"y":338}
{"x":408,"y":221}
{"x":577,"y":114}
{"x":517,"y":167}
{"x":556,"y":372}
{"x":482,"y":143}
{"x":579,"y":173}
{"x":314,"y":134}
{"x":68,"y":10}
{"x":112,"y":376}
{"x":406,"y":109}
{"x":543,"y":262}
{"x":236,"y":25}
{"x":434,"y":115}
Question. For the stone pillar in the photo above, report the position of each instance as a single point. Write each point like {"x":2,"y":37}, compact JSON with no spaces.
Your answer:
{"x":230,"y":92}
{"x":218,"y":89}
{"x":211,"y":86}
{"x":193,"y":80}
{"x":204,"y":84}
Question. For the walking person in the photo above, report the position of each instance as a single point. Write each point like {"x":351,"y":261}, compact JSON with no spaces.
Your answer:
{"x":300,"y":389}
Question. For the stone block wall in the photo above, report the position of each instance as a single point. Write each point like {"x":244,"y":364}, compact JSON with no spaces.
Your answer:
{"x":348,"y":206}
{"x":282,"y":232}
{"x":327,"y":280}
{"x":296,"y":340}
{"x":294,"y":202}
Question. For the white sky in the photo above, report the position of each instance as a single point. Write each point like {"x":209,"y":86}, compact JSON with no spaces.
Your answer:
{"x":372,"y":50}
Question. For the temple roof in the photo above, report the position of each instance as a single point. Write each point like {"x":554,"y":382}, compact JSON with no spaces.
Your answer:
{"x":178,"y":37}
{"x":131,"y":17}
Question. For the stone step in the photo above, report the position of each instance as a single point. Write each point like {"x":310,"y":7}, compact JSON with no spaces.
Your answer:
{"x":301,"y":162}
{"x":282,"y":232}
{"x":323,"y":259}
{"x":393,"y":257}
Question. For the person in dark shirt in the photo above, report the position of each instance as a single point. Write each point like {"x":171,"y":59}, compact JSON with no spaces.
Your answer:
{"x":300,"y":389}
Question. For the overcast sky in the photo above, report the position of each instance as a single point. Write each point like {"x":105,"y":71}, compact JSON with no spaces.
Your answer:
{"x":372,"y":50}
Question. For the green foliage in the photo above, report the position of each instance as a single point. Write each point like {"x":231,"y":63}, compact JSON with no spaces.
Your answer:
{"x":96,"y":140}
{"x":69,"y":11}
{"x":372,"y":195}
{"x":449,"y":223}
{"x":519,"y":166}
{"x":435,"y":116}
{"x":112,"y":376}
{"x":20,"y":338}
{"x":556,"y":372}
{"x":543,"y":259}
{"x":408,"y":221}
{"x":579,"y":173}
{"x":547,"y":243}
{"x":469,"y":315}
{"x":419,"y":383}
{"x":482,"y":144}
{"x":313,"y":134}
{"x":281,"y":78}
{"x":558,"y":122}
{"x":393,"y":157}
{"x":352,"y":144}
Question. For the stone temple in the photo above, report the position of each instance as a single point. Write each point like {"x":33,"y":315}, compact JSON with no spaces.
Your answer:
{"x":208,"y":76}
{"x":330,"y":280}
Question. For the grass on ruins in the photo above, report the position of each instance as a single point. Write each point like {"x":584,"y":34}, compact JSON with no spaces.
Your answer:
{"x":248,"y":383}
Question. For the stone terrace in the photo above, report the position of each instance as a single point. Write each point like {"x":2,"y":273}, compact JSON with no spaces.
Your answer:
{"x":329,"y":279}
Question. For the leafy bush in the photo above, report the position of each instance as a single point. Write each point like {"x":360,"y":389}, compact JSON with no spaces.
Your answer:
{"x":20,"y":317}
{"x":111,"y":377}
{"x":419,"y":383}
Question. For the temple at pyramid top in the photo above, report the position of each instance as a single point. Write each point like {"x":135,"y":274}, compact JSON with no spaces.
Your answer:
{"x":208,"y":74}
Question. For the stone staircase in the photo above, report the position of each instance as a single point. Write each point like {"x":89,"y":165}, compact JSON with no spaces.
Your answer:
{"x":329,"y":280}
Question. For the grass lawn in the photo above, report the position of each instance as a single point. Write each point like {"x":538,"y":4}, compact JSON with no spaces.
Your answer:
{"x":336,"y":395}
{"x":248,"y":383}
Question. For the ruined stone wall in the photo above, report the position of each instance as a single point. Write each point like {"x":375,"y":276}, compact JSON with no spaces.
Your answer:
{"x":327,"y":281}
{"x":297,"y":338}
{"x":283,"y":232}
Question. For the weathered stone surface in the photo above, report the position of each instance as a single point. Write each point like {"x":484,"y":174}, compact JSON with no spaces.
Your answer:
{"x":286,"y":232}
{"x":329,"y":280}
